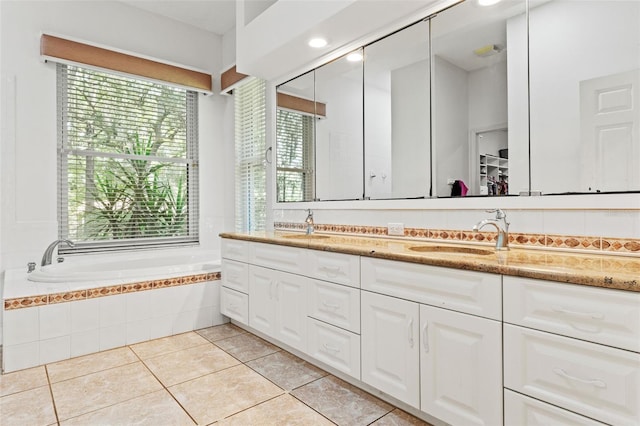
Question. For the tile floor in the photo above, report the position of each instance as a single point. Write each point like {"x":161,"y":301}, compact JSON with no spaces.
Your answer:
{"x":220,"y":375}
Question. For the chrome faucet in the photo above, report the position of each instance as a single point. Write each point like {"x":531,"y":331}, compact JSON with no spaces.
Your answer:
{"x":309,"y":222}
{"x":501,"y":225}
{"x":48,"y":253}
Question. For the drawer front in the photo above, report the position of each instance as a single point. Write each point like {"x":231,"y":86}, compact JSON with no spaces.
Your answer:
{"x":235,"y":275}
{"x":590,"y":379}
{"x":283,"y":258}
{"x":475,"y":293}
{"x":335,"y":267}
{"x":524,"y":411}
{"x":234,"y":304}
{"x":235,"y":249}
{"x":336,"y":304}
{"x":610,"y":317}
{"x":335,"y":347}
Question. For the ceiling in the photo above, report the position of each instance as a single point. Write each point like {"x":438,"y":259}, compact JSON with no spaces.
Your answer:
{"x":216,"y":16}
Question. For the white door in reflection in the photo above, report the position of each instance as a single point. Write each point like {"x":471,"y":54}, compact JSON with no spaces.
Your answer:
{"x":610,"y":127}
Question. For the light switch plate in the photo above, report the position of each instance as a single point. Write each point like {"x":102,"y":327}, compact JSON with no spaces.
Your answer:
{"x":395,"y":228}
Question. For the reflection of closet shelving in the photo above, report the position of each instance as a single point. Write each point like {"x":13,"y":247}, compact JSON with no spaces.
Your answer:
{"x":492,"y":168}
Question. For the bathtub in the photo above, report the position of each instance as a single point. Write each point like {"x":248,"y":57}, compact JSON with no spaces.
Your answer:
{"x":77,"y":269}
{"x":95,"y":303}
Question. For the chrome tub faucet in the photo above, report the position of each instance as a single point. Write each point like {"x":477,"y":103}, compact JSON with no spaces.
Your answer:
{"x":48,"y":253}
{"x":501,"y":225}
{"x":309,"y":222}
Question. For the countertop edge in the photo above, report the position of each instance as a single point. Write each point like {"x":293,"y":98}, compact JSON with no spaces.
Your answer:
{"x":610,"y":280}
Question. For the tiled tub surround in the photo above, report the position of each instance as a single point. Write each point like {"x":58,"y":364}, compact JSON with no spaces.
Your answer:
{"x":592,"y":269}
{"x":45,"y":322}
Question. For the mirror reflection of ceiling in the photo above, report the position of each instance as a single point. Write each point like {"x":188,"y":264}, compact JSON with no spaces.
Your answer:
{"x":467,"y":27}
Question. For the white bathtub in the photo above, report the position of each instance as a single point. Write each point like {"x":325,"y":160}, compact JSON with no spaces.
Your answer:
{"x":91,"y":268}
{"x":95,"y":303}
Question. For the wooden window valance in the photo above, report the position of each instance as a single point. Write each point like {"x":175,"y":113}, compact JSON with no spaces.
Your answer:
{"x":303,"y":105}
{"x":52,"y":47}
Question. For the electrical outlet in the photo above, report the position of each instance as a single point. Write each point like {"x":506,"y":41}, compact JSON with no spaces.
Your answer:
{"x":395,"y":228}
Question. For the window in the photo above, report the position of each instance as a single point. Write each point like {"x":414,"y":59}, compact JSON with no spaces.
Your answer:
{"x":250,"y":131}
{"x":128,"y":161}
{"x":294,"y":141}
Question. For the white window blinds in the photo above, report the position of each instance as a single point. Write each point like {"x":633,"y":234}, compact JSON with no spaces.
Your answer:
{"x":128,"y":161}
{"x":250,"y":155}
{"x":294,"y":142}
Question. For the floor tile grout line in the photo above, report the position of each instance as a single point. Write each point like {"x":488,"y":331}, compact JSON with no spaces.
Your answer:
{"x":53,"y":399}
{"x":166,"y":389}
{"x":315,"y":410}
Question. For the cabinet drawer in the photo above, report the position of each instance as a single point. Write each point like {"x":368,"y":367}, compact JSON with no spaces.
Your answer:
{"x":610,"y":317}
{"x":475,"y":293}
{"x":235,"y":249}
{"x":234,"y":304}
{"x":335,"y":347}
{"x":524,"y":411}
{"x":336,"y":304}
{"x":283,"y":258}
{"x":235,"y":275}
{"x":335,"y":267}
{"x":590,"y":379}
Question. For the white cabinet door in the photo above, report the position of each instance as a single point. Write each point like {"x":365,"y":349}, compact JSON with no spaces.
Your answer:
{"x":389,"y":336}
{"x":262,"y":302}
{"x":460,"y":367}
{"x":594,"y":380}
{"x":600,"y":315}
{"x":291,"y":313}
{"x":235,"y":275}
{"x":335,"y":347}
{"x":234,"y":304}
{"x":235,"y":249}
{"x":520,"y":410}
{"x":336,"y":304}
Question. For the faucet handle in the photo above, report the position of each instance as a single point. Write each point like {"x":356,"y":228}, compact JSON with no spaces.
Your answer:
{"x":500,"y":214}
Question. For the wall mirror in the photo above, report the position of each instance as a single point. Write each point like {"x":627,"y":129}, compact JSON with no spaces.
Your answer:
{"x":585,"y":79}
{"x":339,"y":143}
{"x":397,"y":111}
{"x":479,"y":117}
{"x":296,"y":115}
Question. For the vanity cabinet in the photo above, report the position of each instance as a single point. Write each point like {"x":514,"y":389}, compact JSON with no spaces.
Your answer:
{"x":441,"y":340}
{"x":460,"y":367}
{"x":390,"y":340}
{"x":277,"y":305}
{"x":446,"y":363}
{"x":234,"y":292}
{"x":573,"y":347}
{"x":333,"y":307}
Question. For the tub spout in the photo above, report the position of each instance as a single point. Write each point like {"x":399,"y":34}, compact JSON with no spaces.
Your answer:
{"x":48,"y":253}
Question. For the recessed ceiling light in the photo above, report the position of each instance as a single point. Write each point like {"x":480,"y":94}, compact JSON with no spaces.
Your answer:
{"x":354,"y":57}
{"x":317,"y":42}
{"x":488,"y":2}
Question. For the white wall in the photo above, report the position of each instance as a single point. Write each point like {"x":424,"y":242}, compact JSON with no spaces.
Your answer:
{"x":28,"y":86}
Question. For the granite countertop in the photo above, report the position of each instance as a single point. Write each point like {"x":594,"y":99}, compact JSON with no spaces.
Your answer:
{"x":609,"y":271}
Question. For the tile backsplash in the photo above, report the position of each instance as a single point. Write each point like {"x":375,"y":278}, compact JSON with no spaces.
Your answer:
{"x":605,"y":231}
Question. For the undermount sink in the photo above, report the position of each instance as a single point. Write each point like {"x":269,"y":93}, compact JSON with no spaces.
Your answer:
{"x":307,"y":237}
{"x":451,"y":249}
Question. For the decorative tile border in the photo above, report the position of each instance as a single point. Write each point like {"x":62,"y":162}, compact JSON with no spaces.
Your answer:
{"x":71,"y":296}
{"x":564,"y":242}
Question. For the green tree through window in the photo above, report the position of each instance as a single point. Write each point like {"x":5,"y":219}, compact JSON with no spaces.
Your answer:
{"x":128,"y":160}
